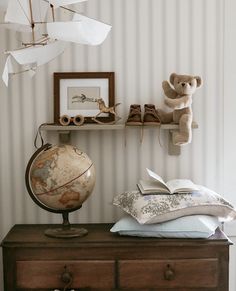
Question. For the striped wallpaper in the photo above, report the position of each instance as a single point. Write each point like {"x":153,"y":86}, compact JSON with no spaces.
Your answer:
{"x":149,"y":40}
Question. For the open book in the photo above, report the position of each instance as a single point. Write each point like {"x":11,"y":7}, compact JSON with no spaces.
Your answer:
{"x":156,"y":185}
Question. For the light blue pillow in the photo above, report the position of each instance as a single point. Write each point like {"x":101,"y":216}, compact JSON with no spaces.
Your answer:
{"x":193,"y":226}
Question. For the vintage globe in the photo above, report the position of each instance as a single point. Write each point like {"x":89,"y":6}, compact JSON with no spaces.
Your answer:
{"x":60,"y":178}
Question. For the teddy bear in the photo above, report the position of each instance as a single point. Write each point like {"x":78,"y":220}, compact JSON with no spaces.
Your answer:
{"x":179,"y":99}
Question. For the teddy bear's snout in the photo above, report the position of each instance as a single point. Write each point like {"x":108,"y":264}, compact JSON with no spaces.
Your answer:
{"x":183,"y":84}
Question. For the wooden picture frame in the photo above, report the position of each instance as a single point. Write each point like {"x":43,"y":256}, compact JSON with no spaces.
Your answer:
{"x":70,"y":89}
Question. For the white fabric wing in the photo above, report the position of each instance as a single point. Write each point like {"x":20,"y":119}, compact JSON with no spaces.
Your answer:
{"x":39,"y":55}
{"x":32,"y":57}
{"x":57,"y":3}
{"x":82,"y":29}
{"x":18,"y":11}
{"x":8,"y":69}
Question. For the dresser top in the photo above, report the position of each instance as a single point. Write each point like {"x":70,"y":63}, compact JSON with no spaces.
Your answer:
{"x":32,"y":235}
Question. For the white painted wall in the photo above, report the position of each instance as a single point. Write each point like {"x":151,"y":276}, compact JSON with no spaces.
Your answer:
{"x":229,"y":105}
{"x":230,"y":119}
{"x":150,"y":39}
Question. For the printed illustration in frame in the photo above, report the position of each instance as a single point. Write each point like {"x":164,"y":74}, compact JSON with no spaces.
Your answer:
{"x":75,"y":93}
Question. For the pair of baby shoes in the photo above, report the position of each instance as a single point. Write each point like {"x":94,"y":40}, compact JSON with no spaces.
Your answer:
{"x":150,"y":116}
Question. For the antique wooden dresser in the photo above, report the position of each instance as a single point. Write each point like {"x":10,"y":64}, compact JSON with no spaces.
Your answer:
{"x":105,"y":261}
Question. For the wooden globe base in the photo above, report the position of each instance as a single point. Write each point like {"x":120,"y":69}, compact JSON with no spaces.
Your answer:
{"x":65,"y":231}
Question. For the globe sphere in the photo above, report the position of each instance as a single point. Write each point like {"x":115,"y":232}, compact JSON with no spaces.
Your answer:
{"x":60,"y":178}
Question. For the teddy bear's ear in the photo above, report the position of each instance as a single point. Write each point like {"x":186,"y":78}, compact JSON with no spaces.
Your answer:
{"x":172,"y":78}
{"x":199,"y":80}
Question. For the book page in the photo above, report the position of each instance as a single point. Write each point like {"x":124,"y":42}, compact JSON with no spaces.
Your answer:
{"x":152,"y":191}
{"x":156,"y":177}
{"x":181,"y":185}
{"x":151,"y":185}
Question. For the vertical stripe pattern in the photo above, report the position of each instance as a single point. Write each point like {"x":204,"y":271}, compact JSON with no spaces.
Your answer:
{"x":149,"y":40}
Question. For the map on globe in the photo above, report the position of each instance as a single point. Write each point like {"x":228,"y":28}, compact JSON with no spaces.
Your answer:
{"x":61,"y":177}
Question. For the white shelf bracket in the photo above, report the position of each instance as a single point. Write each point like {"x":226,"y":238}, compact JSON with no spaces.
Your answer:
{"x":64,"y":136}
{"x":173,"y":150}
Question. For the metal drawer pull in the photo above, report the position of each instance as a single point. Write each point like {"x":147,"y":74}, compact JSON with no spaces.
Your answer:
{"x":66,"y":278}
{"x":169,"y":273}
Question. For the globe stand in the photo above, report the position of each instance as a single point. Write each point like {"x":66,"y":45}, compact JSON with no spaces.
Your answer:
{"x":65,"y":231}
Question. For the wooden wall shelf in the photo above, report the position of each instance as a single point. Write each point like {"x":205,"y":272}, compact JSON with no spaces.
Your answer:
{"x":65,"y":131}
{"x":88,"y":126}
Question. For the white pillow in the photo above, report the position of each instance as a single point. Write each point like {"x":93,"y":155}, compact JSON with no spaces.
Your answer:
{"x":193,"y":226}
{"x":148,"y":209}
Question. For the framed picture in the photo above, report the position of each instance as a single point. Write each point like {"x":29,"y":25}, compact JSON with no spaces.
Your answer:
{"x":77,"y":94}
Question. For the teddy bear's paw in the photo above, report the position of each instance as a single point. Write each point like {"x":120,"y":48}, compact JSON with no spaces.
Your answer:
{"x":180,"y":139}
{"x":165,"y":85}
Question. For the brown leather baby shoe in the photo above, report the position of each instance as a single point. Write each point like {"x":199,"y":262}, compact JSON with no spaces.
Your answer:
{"x":150,"y":115}
{"x":135,"y":117}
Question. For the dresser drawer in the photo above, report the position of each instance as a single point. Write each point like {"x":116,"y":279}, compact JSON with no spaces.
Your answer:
{"x":47,"y":274}
{"x":102,"y":261}
{"x":186,"y":273}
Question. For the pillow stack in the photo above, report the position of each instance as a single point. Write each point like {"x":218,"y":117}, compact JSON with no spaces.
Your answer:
{"x":195,"y":214}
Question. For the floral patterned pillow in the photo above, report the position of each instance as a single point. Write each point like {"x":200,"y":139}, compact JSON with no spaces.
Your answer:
{"x":147,"y":209}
